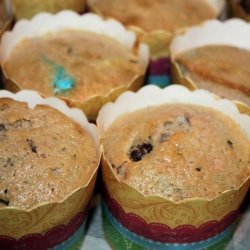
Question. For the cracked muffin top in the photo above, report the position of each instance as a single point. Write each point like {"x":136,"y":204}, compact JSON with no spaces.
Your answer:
{"x":44,"y":155}
{"x":178,"y":151}
{"x":221,"y":69}
{"x":171,"y":14}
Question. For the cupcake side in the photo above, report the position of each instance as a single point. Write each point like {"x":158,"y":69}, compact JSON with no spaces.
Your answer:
{"x":62,"y":73}
{"x":127,"y":210}
{"x":44,"y":221}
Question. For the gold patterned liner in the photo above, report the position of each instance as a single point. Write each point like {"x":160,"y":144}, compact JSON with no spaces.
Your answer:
{"x":155,"y":209}
{"x":233,"y":32}
{"x":236,"y":10}
{"x":27,"y":9}
{"x":159,"y":40}
{"x":17,"y":222}
{"x":44,"y":23}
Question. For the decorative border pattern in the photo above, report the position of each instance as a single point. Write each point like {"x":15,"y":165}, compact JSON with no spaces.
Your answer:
{"x":163,"y":233}
{"x":120,"y":237}
{"x":56,"y":238}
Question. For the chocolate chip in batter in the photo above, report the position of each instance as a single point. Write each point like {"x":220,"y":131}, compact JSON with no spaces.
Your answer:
{"x":32,"y":145}
{"x":4,"y":107}
{"x":230,"y":143}
{"x":8,"y":162}
{"x":2,"y":127}
{"x":69,"y":50}
{"x":137,"y":152}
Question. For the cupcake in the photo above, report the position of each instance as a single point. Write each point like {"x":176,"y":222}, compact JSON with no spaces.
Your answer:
{"x":216,"y":63}
{"x":156,"y":22}
{"x":240,"y":8}
{"x":27,"y":9}
{"x":175,"y":168}
{"x":82,"y":59}
{"x":49,"y":160}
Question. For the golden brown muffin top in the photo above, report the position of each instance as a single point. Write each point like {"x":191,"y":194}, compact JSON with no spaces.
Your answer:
{"x":220,"y":64}
{"x":178,"y":151}
{"x":44,"y":155}
{"x":152,"y":15}
{"x":73,"y":64}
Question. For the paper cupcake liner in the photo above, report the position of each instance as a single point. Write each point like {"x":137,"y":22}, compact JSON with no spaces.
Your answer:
{"x":44,"y":23}
{"x":234,"y":32}
{"x":236,"y":10}
{"x":161,"y":233}
{"x":49,"y":224}
{"x":27,"y":9}
{"x":157,"y":219}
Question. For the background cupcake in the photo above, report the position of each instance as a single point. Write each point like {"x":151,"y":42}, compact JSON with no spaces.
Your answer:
{"x":28,"y":9}
{"x":81,"y":59}
{"x":216,"y":63}
{"x":145,"y":211}
{"x":155,"y":22}
{"x":46,"y":181}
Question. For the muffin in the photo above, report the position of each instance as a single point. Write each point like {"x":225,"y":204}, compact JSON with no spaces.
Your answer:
{"x":218,"y":64}
{"x":84,"y":65}
{"x":171,"y":15}
{"x":49,"y":159}
{"x":221,"y":69}
{"x":166,"y":171}
{"x":158,"y":29}
{"x":28,"y":9}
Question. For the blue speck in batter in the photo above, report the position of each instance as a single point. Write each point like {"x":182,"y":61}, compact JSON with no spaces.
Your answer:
{"x":61,"y":80}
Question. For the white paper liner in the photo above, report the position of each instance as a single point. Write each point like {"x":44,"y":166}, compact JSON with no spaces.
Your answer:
{"x":234,"y":32}
{"x":218,"y":5}
{"x":32,"y":98}
{"x":44,"y":23}
{"x":153,"y":96}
